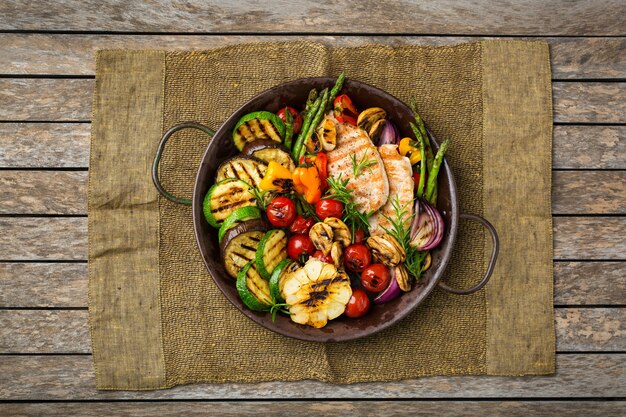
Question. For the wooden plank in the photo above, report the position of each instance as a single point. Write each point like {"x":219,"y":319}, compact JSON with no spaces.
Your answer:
{"x":72,"y":378}
{"x":70,"y":100}
{"x":65,"y":284}
{"x":589,"y":283}
{"x":60,"y":192}
{"x":44,"y":145}
{"x":45,"y":99}
{"x":43,"y":238}
{"x":67,"y":331}
{"x":51,"y":145}
{"x":560,"y":17}
{"x":59,"y":54}
{"x":43,"y":284}
{"x":576,"y":102}
{"x":575,"y":238}
{"x":587,"y":192}
{"x":589,"y":147}
{"x":43,"y":192}
{"x":361,"y":408}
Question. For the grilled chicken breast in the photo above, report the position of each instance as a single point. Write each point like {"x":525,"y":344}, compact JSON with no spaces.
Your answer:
{"x":400,"y":176}
{"x":370,"y":186}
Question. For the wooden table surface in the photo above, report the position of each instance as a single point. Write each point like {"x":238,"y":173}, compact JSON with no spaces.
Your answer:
{"x":46,"y":82}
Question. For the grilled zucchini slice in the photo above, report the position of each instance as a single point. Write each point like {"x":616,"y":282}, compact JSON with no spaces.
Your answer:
{"x":253,"y":290}
{"x":240,"y":215}
{"x":272,"y":249}
{"x":268,"y":150}
{"x":240,"y":244}
{"x":258,"y":125}
{"x":278,"y":278}
{"x":246,"y":169}
{"x":224,"y":198}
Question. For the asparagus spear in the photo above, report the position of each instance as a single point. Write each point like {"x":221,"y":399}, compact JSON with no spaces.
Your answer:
{"x":336,"y":88}
{"x":319,"y":113}
{"x":420,"y":184}
{"x":431,"y":187}
{"x":307,"y":118}
{"x":288,"y":128}
{"x":309,"y":103}
{"x":422,"y":129}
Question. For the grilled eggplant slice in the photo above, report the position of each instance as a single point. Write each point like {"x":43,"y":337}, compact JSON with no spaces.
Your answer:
{"x":267,"y":150}
{"x":224,"y":198}
{"x":240,"y":244}
{"x":246,"y":169}
{"x":253,"y":290}
{"x":258,"y":125}
{"x":272,"y":249}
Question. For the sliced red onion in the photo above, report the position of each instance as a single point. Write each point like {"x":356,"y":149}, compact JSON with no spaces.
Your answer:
{"x":427,"y":227}
{"x":392,"y":291}
{"x":389,"y":135}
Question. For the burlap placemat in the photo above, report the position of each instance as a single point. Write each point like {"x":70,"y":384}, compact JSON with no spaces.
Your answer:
{"x":158,"y":320}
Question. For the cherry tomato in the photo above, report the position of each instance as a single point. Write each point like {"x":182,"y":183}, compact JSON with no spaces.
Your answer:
{"x":281,"y":211}
{"x":359,"y":236}
{"x":297,"y":119}
{"x":358,"y":305}
{"x":375,"y":278}
{"x":356,"y":257}
{"x":329,"y":208}
{"x":344,"y":110}
{"x":324,"y":258}
{"x":299,"y":245}
{"x":301,"y":225}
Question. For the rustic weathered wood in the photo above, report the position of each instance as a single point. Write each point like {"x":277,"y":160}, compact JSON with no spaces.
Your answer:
{"x":43,"y":238}
{"x":60,"y":192}
{"x":67,"y":331}
{"x":43,"y":284}
{"x":44,"y":331}
{"x":589,"y":102}
{"x":575,"y":238}
{"x":367,"y":407}
{"x":53,"y":145}
{"x":58,"y":54}
{"x":587,"y":192}
{"x":43,"y":192}
{"x":465,"y":17}
{"x":70,"y":100}
{"x":584,"y":147}
{"x":589,"y":283}
{"x":72,"y":378}
{"x":44,"y":145}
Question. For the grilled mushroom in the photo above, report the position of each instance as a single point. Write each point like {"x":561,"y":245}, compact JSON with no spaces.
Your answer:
{"x":427,"y":262}
{"x":369,"y":118}
{"x":321,"y":235}
{"x":327,"y":134}
{"x":403,"y":278}
{"x":336,"y":253}
{"x":341,"y":231}
{"x":386,"y":250}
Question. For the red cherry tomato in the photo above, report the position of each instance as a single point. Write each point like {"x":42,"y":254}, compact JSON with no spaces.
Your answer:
{"x":359,"y":236}
{"x":359,"y":304}
{"x":301,"y":225}
{"x":375,"y":278}
{"x":324,"y":258}
{"x":344,"y":110}
{"x":356,"y":257}
{"x":281,"y":211}
{"x":328,"y":208}
{"x":297,"y":119}
{"x":299,"y":245}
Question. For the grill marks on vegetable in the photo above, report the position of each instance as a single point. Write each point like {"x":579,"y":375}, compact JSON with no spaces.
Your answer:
{"x":229,"y":197}
{"x":258,"y":129}
{"x":248,"y":170}
{"x":320,"y":290}
{"x":241,"y":250}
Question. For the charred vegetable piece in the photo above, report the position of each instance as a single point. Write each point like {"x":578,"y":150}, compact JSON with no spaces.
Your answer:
{"x":316,"y":293}
{"x":271,"y":251}
{"x":326,"y":135}
{"x":277,"y":178}
{"x":258,"y":125}
{"x":277,"y":280}
{"x":373,"y":121}
{"x":240,"y":215}
{"x":253,"y":290}
{"x":267,"y":150}
{"x":243,"y":168}
{"x":224,"y":198}
{"x":240,"y":244}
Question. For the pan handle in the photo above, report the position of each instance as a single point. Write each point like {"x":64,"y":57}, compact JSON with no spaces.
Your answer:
{"x":492,"y":261}
{"x":157,"y":158}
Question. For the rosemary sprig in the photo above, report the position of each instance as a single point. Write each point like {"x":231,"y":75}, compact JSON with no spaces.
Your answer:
{"x":402,"y":234}
{"x":362,"y":165}
{"x":279,"y":308}
{"x":352,"y":217}
{"x":260,"y":197}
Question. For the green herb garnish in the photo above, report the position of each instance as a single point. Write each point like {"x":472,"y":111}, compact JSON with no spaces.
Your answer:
{"x":362,"y":165}
{"x":352,"y":217}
